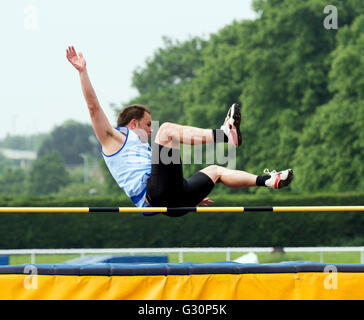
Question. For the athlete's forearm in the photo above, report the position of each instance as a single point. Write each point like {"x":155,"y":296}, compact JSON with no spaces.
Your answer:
{"x":88,"y":91}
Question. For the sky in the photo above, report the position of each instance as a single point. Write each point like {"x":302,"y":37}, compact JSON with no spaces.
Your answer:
{"x":39,"y":89}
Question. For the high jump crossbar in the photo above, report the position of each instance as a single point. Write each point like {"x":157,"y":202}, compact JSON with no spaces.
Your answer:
{"x":179,"y":209}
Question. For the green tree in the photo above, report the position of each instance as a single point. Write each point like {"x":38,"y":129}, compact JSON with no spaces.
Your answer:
{"x":32,"y":142}
{"x":13,"y":181}
{"x":48,"y":174}
{"x":4,"y":163}
{"x":71,"y":139}
{"x":164,"y":81}
{"x":331,"y":151}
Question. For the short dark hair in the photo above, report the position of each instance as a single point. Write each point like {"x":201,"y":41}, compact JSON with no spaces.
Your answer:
{"x":135,"y":111}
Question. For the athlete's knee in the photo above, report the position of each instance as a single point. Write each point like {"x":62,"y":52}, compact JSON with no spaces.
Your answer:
{"x":213,"y":168}
{"x":214,"y":172}
{"x":167,"y":127}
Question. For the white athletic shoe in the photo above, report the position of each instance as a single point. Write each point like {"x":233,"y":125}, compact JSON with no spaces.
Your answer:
{"x":280,"y":179}
{"x":231,"y":126}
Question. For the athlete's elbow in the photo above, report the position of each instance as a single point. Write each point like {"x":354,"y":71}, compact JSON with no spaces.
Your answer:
{"x":93,"y":109}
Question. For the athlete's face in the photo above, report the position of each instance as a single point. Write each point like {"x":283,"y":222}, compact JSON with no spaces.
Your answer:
{"x":145,"y":125}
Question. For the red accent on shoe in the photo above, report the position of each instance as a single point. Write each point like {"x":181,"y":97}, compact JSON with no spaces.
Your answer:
{"x":277,"y":180}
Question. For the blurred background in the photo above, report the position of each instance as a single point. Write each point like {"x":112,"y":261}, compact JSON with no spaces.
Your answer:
{"x":296,"y":67}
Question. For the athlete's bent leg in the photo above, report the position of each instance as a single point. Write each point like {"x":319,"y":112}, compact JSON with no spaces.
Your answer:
{"x":172,"y":135}
{"x":242,"y":179}
{"x":230,"y":178}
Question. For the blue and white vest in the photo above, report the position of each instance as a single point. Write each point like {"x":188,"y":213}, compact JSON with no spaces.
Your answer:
{"x":131,"y":166}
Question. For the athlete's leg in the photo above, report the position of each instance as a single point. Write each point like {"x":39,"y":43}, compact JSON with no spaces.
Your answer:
{"x":230,"y":178}
{"x":172,"y":135}
{"x":241,"y":179}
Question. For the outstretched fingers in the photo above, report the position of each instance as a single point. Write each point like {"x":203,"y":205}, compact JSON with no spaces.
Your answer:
{"x":68,"y":53}
{"x":71,"y":51}
{"x":77,"y":61}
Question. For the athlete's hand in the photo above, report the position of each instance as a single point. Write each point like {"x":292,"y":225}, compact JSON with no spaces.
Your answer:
{"x":206,"y":202}
{"x":79,"y":61}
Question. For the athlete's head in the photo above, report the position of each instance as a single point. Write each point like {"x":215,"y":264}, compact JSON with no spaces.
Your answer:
{"x":137,"y":118}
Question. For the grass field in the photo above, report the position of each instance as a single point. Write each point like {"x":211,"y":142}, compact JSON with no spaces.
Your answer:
{"x":327,"y":257}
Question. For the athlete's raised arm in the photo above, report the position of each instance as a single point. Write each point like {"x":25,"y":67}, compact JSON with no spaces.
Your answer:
{"x":109,"y":138}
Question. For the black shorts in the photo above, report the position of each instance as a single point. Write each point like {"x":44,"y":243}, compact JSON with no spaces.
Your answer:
{"x":168,"y":188}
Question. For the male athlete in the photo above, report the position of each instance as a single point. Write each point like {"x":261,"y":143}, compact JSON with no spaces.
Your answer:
{"x":143,"y":175}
